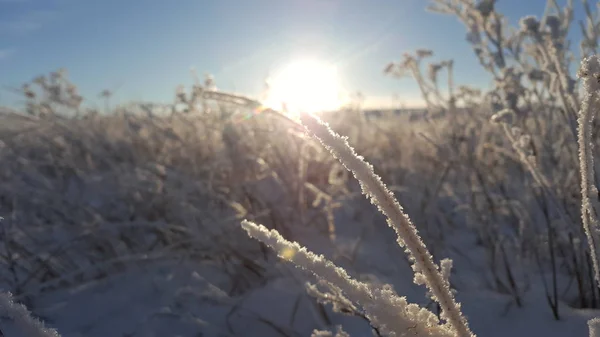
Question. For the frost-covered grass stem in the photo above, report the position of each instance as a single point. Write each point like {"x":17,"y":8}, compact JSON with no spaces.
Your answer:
{"x":21,"y":318}
{"x":408,"y":237}
{"x":391,"y":314}
{"x":589,"y":72}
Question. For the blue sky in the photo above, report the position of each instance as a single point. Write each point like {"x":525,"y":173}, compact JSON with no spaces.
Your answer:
{"x":143,"y":49}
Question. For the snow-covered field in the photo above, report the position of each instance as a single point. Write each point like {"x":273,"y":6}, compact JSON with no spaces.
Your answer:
{"x":129,"y":223}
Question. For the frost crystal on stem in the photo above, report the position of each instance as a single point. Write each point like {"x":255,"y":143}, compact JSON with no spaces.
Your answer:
{"x":21,"y":318}
{"x":408,"y":237}
{"x":392,"y":314}
{"x":590,"y":75}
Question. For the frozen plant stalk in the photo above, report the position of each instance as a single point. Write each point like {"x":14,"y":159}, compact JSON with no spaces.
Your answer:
{"x":21,"y":318}
{"x":594,"y":327}
{"x":589,"y":72}
{"x":426,"y":271}
{"x":393,"y":315}
{"x":382,"y":306}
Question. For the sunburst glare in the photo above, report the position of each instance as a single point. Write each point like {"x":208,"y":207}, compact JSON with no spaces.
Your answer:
{"x":306,"y":85}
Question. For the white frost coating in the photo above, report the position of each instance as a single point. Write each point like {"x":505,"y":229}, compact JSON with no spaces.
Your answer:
{"x":20,"y":317}
{"x":589,"y":72}
{"x":506,"y":116}
{"x":594,"y":327}
{"x":339,"y":333}
{"x":392,"y":314}
{"x":408,"y":237}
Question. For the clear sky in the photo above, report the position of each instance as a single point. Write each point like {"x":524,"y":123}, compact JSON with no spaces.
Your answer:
{"x":143,"y":49}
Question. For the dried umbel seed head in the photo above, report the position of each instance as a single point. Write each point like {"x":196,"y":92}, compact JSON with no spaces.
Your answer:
{"x":529,"y":24}
{"x":423,"y":53}
{"x":389,"y":68}
{"x":407,"y":61}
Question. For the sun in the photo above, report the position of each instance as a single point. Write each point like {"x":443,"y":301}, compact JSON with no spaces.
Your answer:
{"x":306,"y":85}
